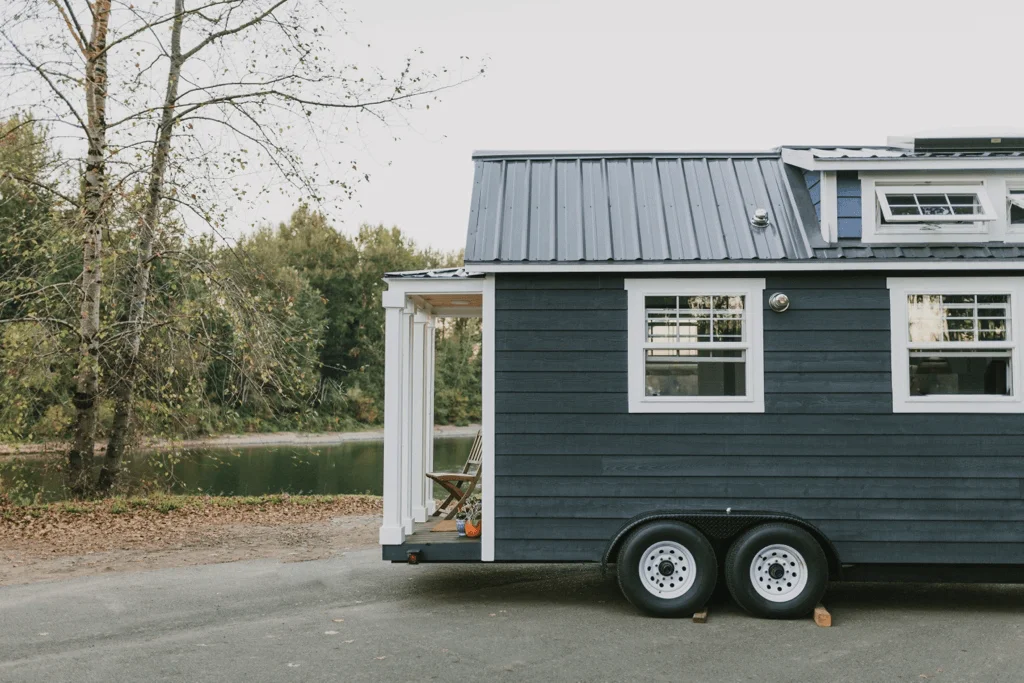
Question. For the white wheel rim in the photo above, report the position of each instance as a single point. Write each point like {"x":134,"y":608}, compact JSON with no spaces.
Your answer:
{"x":778,"y":573}
{"x":667,"y":570}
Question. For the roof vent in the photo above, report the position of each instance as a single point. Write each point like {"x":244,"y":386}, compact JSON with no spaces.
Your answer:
{"x":760,"y":219}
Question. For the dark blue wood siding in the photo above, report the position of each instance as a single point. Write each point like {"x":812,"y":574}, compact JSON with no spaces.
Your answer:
{"x":572,"y":464}
{"x":813,"y":181}
{"x":848,"y":206}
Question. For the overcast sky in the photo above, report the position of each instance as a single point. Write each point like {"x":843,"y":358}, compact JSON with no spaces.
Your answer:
{"x":713,"y":75}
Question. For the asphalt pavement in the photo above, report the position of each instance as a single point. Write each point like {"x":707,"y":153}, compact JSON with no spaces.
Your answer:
{"x":355,"y":618}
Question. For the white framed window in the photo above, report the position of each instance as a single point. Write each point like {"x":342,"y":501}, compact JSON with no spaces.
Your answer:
{"x":695,"y":345}
{"x":1015,"y":206}
{"x":933,"y":208}
{"x":934,"y":203}
{"x":956,"y":344}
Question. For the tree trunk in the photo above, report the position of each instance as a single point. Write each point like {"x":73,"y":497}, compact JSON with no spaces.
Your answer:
{"x":125,"y":391}
{"x":94,"y":196}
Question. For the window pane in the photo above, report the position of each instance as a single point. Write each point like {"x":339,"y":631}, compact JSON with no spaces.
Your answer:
{"x":924,"y":204}
{"x":960,"y":373}
{"x":1016,"y":210}
{"x":694,"y":319}
{"x":958,"y":317}
{"x":692,"y":372}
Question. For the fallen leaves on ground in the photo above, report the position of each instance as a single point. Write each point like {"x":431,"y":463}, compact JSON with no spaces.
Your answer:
{"x":161,"y":522}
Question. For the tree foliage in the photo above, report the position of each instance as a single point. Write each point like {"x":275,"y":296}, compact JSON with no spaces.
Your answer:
{"x":177,"y":110}
{"x":283,"y":330}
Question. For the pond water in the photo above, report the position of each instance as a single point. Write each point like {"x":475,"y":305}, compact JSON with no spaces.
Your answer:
{"x":353,"y":467}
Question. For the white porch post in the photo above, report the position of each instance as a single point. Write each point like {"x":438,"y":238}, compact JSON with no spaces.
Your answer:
{"x":391,"y":531}
{"x":418,"y":386}
{"x":429,"y":369}
{"x":407,"y":404}
{"x":487,"y":419}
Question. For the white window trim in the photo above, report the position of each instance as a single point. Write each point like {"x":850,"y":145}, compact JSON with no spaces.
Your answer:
{"x":752,"y":289}
{"x":882,"y":192}
{"x":902,"y":401}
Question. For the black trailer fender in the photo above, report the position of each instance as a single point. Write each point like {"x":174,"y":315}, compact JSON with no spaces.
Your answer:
{"x":720,"y":527}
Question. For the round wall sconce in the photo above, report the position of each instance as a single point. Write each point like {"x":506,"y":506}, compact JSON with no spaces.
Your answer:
{"x":778,"y":302}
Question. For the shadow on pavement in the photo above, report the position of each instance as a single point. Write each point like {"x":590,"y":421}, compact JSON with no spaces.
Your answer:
{"x":574,"y":584}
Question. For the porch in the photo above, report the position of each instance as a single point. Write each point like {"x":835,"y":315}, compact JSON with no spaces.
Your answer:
{"x":434,"y":546}
{"x":416,"y":302}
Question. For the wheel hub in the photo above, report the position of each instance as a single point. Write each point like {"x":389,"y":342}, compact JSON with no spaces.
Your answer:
{"x":667,"y":569}
{"x":778,"y":573}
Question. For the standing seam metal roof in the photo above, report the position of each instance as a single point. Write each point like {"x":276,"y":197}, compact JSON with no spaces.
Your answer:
{"x":619,"y":207}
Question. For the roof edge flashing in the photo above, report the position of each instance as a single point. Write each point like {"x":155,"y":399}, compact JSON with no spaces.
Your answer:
{"x":598,"y":154}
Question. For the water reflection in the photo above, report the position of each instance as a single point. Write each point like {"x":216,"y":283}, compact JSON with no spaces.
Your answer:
{"x":354,"y":467}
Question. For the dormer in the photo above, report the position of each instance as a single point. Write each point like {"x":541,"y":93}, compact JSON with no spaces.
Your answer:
{"x":934,"y":190}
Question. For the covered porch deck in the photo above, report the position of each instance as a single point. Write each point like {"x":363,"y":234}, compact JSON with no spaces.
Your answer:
{"x":414,"y":302}
{"x":434,"y":546}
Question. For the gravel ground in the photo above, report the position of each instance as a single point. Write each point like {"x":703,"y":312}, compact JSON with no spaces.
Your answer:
{"x":351,"y":617}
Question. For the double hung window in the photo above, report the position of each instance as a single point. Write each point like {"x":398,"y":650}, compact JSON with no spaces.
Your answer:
{"x":695,"y":345}
{"x":955,"y":344}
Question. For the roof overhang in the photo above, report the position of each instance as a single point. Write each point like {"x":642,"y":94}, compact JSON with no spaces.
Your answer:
{"x":807,"y":160}
{"x":838,"y":264}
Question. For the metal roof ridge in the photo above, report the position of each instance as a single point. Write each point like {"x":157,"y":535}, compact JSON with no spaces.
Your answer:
{"x":624,"y":154}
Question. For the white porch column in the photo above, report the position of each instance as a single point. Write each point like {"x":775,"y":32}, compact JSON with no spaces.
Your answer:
{"x":407,"y":404}
{"x":391,"y":530}
{"x":430,"y":369}
{"x":419,"y":402}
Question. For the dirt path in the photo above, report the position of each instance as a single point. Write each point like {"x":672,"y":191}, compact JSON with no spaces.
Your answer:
{"x":244,"y":440}
{"x":58,"y":544}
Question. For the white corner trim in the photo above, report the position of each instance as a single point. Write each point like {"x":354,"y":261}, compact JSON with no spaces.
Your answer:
{"x":487,"y":420}
{"x":829,"y":207}
{"x":902,"y":401}
{"x":752,"y":288}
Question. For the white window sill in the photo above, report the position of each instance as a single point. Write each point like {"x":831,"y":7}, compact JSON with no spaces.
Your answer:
{"x":955,"y":405}
{"x":692,"y":406}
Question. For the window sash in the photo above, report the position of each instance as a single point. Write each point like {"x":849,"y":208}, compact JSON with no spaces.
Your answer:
{"x":983,"y":203}
{"x":749,"y":320}
{"x":907,"y":354}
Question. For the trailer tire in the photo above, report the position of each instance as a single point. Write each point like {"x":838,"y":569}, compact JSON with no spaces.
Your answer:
{"x":667,"y":569}
{"x":776,"y":571}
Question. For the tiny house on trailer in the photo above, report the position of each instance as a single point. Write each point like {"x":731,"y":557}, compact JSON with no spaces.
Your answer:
{"x":777,"y":368}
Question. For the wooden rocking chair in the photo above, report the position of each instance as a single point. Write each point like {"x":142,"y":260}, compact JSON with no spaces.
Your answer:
{"x":452,"y":482}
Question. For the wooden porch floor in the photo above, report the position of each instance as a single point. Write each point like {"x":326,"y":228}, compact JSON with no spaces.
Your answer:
{"x":434,"y":546}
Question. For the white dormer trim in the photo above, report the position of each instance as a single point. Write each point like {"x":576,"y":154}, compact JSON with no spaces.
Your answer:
{"x":829,"y":207}
{"x":805,"y":159}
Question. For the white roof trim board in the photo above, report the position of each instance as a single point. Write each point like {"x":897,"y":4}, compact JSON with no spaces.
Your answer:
{"x":892,"y":158}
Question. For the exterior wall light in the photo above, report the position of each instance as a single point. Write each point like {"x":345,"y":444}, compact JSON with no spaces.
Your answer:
{"x":778,"y":302}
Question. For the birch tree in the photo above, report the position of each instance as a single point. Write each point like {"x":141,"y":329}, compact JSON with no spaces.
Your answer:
{"x":202,"y":107}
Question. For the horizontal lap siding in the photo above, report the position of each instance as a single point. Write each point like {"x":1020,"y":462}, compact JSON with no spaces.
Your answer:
{"x":572,"y":464}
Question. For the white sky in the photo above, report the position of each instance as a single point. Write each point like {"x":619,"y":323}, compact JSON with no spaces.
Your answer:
{"x":647,"y":75}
